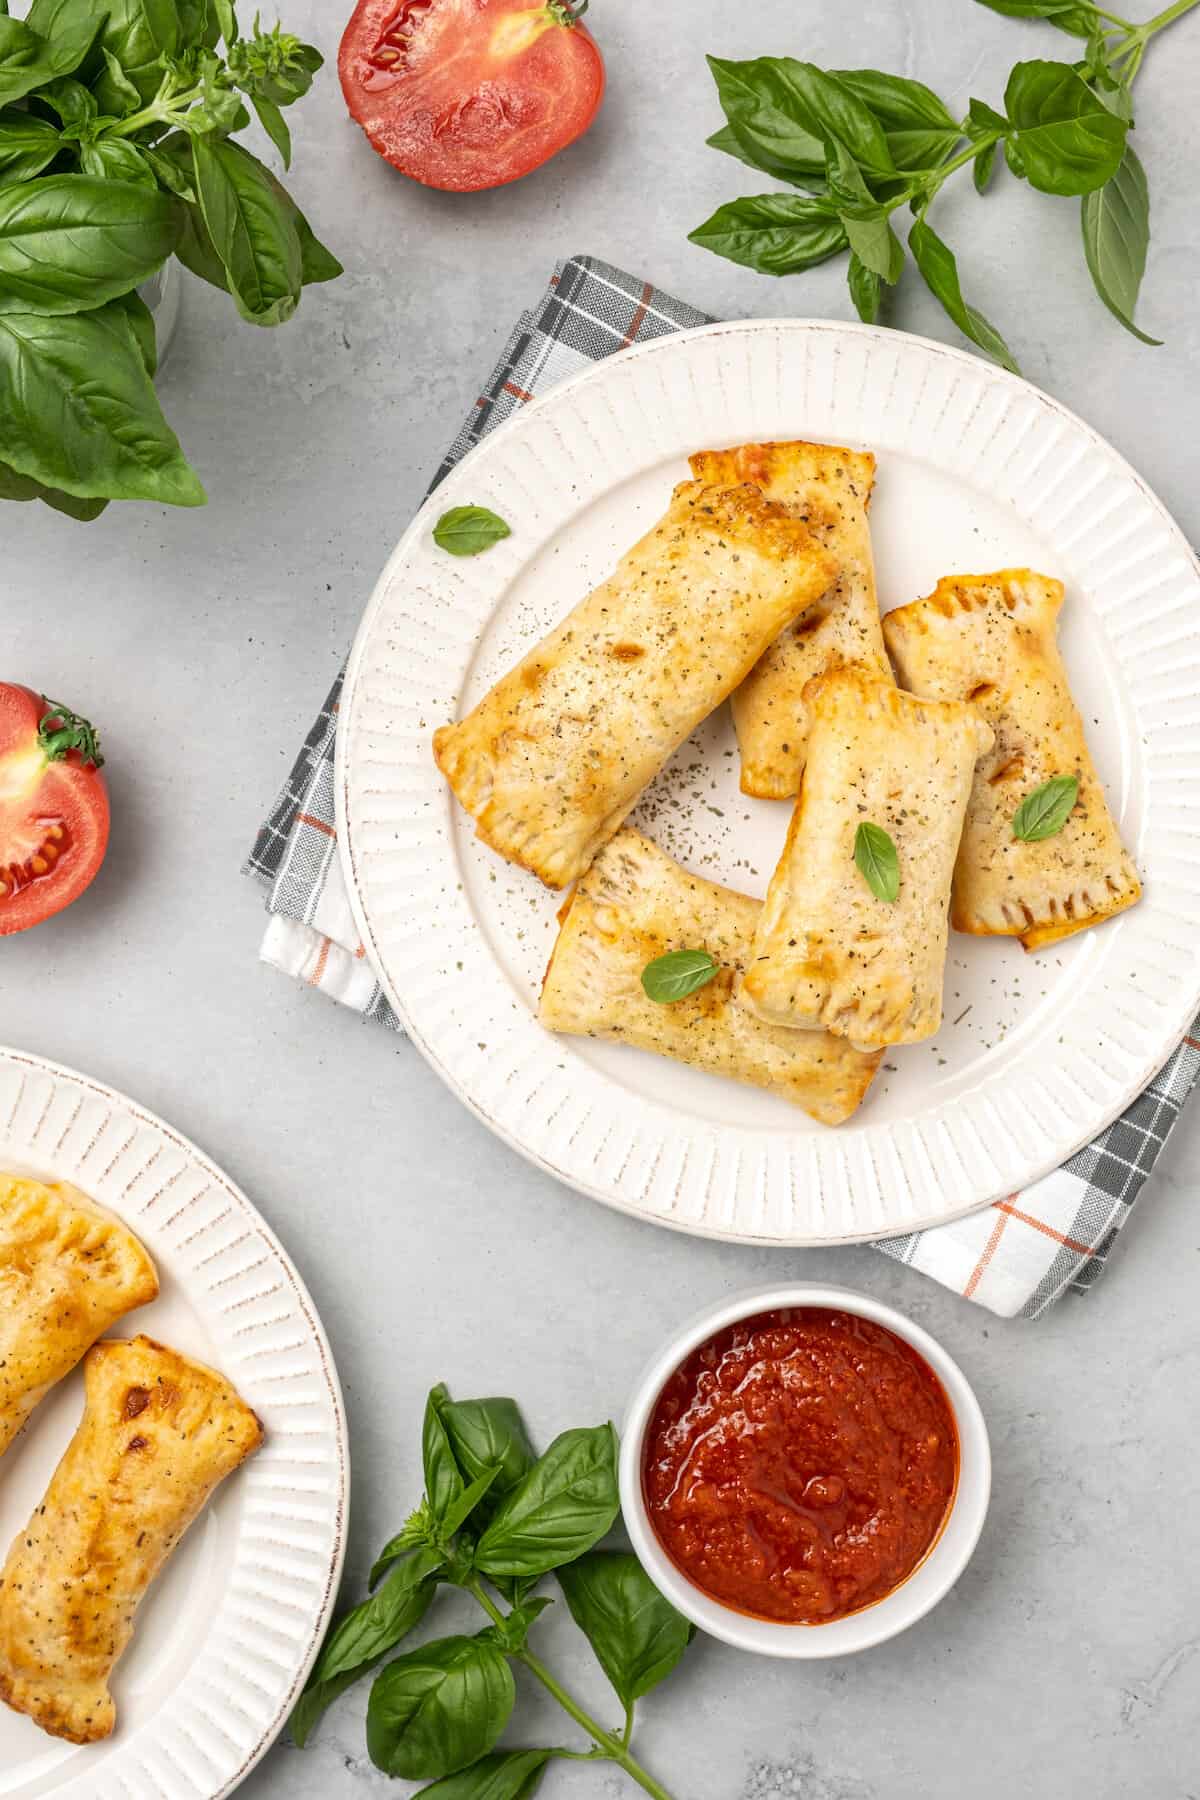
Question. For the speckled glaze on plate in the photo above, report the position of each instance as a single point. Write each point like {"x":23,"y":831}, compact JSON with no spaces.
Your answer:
{"x":229,"y":1630}
{"x":977,"y":470}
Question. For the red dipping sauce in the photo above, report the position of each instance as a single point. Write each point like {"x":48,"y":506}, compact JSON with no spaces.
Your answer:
{"x":800,"y":1464}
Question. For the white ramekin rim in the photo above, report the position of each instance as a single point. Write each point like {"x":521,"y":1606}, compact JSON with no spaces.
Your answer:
{"x":930,"y":1581}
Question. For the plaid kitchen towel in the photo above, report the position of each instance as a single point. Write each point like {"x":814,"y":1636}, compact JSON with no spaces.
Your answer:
{"x":1017,"y":1256}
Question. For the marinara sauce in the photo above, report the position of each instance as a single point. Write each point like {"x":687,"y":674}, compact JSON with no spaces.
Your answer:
{"x":800,"y":1464}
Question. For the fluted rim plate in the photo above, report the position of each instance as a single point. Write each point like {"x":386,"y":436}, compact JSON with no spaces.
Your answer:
{"x":977,"y":470}
{"x":228,"y":1632}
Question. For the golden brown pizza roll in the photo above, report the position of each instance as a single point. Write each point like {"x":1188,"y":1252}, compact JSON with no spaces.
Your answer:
{"x":830,"y":489}
{"x":550,"y":762}
{"x":635,"y":904}
{"x":158,"y":1433}
{"x":829,"y":952}
{"x":992,"y":639}
{"x":68,"y":1271}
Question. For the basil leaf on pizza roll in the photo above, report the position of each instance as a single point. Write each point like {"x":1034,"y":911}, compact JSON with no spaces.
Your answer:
{"x":552,"y":759}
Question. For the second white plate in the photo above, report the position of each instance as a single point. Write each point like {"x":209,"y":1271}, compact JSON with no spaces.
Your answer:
{"x":227,"y":1633}
{"x":977,"y":470}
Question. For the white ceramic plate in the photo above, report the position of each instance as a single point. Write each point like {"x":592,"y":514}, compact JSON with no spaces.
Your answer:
{"x":229,"y":1630}
{"x":977,"y":470}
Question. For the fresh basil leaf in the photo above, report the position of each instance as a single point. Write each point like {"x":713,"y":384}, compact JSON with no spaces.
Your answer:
{"x":79,"y":412}
{"x":940,"y":273}
{"x":460,"y":1510}
{"x":23,"y":487}
{"x":118,"y":84}
{"x":638,"y":1636}
{"x":983,"y":120}
{"x":830,"y":111}
{"x":176,"y":178}
{"x":876,"y":860}
{"x":439,"y":1708}
{"x":728,"y":140}
{"x":115,"y":159}
{"x":677,"y":974}
{"x":1116,"y":236}
{"x":777,"y":234}
{"x":316,"y":262}
{"x":71,"y":242}
{"x":1013,"y":158}
{"x":469,"y":530}
{"x":760,"y":109}
{"x":27,"y":145}
{"x":443,"y":1479}
{"x":865,"y":290}
{"x":139,"y":33}
{"x":489,"y":1434}
{"x":1115,"y":95}
{"x":564,"y":1505}
{"x":74,"y":104}
{"x":1068,"y":15}
{"x":511,"y":1635}
{"x":920,"y":129}
{"x":197,"y":252}
{"x":275,"y":126}
{"x":896,"y":101}
{"x":29,"y":59}
{"x":141,"y":324}
{"x":1067,"y":140}
{"x":982,"y":167}
{"x":504,"y":1775}
{"x":199,"y":27}
{"x":254,"y":236}
{"x":865,"y":220}
{"x":1044,"y":812}
{"x":363,"y":1635}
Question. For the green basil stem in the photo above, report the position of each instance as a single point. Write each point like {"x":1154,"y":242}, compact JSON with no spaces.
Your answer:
{"x":608,"y":1745}
{"x":160,"y":111}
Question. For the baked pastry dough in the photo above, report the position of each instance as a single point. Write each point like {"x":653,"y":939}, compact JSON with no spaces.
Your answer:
{"x":634,"y":904}
{"x":992,"y":639}
{"x":829,"y":488}
{"x":827,"y":952}
{"x":550,"y":762}
{"x":158,"y":1433}
{"x":68,"y":1271}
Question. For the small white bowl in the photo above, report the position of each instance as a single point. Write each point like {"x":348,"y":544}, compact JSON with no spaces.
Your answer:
{"x":929,"y":1581}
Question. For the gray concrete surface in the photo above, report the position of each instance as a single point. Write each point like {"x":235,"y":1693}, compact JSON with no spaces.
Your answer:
{"x":1067,"y":1662}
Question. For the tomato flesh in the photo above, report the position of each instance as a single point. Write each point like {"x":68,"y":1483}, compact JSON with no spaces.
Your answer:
{"x":54,"y":817}
{"x":469,"y":94}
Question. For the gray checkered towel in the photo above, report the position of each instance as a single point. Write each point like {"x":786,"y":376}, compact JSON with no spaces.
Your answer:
{"x":1016,"y":1256}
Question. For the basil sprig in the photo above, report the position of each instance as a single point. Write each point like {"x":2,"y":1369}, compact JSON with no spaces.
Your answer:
{"x":876,"y":860}
{"x":677,"y":974}
{"x":467,"y":530}
{"x":116,"y":153}
{"x":860,"y":145}
{"x":1044,"y":812}
{"x":494,"y":1520}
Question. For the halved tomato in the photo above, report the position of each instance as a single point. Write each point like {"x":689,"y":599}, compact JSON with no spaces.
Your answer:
{"x":53,"y":807}
{"x":468,"y":94}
